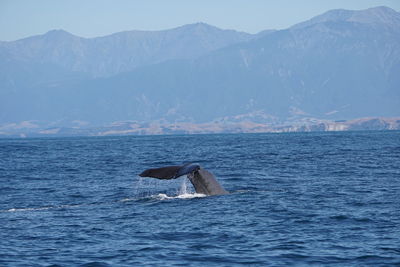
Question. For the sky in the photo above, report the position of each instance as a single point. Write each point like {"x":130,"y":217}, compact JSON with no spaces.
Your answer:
{"x":91,"y":18}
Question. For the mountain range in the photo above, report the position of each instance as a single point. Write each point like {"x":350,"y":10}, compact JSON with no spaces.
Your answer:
{"x":340,"y":65}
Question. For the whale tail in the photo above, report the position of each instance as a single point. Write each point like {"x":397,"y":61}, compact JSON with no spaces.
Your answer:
{"x":202,"y":180}
{"x":170,"y":172}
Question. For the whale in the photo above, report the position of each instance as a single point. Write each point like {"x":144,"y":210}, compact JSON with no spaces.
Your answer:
{"x":203,"y":181}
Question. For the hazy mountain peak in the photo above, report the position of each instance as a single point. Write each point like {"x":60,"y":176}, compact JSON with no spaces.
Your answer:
{"x":52,"y":34}
{"x":152,"y":32}
{"x":196,"y":28}
{"x":381,"y":15}
{"x":375,"y":15}
{"x":123,"y":51}
{"x":59,"y":34}
{"x":199,"y":27}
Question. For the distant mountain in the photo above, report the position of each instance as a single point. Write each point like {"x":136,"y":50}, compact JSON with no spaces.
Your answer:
{"x":119,"y":52}
{"x":341,"y":65}
{"x":378,"y":16}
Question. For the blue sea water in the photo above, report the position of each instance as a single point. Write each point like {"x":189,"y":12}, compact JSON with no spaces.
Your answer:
{"x":323,"y":199}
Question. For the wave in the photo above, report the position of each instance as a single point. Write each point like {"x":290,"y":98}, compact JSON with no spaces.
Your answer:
{"x":41,"y":208}
{"x":181,"y":196}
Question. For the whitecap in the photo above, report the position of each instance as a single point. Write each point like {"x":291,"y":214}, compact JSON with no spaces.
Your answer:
{"x":40,"y":208}
{"x":181,"y":196}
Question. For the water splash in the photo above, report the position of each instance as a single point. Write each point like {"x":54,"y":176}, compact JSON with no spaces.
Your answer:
{"x":184,"y":188}
{"x":147,"y":188}
{"x":184,"y":192}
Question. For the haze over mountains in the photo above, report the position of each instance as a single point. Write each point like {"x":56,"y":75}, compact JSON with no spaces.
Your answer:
{"x":121,"y":52}
{"x":340,"y":65}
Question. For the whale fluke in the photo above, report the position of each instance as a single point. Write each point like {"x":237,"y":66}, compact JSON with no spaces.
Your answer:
{"x":203,"y":181}
{"x":170,"y":172}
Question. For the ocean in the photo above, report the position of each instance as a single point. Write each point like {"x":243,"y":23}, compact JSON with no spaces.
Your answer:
{"x":302,"y":199}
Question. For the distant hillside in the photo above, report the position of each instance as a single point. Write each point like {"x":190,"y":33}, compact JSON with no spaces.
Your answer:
{"x":30,"y":129}
{"x":341,"y":65}
{"x":119,"y":52}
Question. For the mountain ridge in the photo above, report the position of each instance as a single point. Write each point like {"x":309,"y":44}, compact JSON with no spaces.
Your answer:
{"x":326,"y":70}
{"x":377,"y":15}
{"x":120,"y":52}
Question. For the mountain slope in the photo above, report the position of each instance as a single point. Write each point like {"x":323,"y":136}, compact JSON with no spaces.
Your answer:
{"x":382,"y":16}
{"x":120,"y":52}
{"x":332,"y":67}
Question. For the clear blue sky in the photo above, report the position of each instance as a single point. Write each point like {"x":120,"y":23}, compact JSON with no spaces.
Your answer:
{"x":90,"y":18}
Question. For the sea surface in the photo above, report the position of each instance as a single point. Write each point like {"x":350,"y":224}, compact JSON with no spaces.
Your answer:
{"x":303,"y":199}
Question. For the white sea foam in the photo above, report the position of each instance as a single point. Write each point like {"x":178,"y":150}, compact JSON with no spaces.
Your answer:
{"x":128,"y":199}
{"x":40,"y":208}
{"x":26,"y":209}
{"x":181,"y":196}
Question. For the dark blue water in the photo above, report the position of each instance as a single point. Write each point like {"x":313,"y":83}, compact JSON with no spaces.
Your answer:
{"x":296,"y":199}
